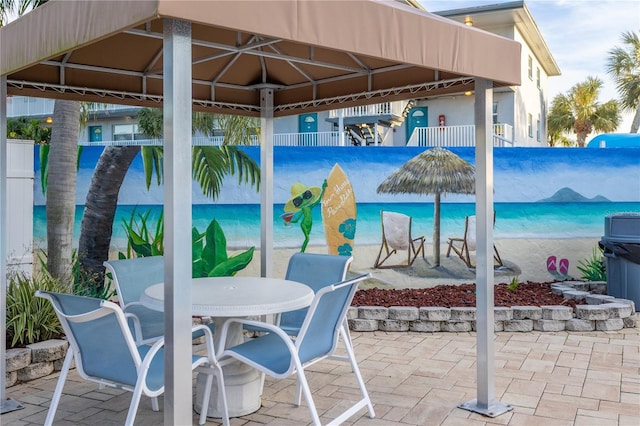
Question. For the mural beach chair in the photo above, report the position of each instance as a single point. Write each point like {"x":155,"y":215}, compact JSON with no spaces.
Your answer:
{"x":463,"y":246}
{"x":397,"y":238}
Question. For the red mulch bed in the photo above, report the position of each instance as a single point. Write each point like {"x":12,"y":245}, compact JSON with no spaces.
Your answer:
{"x":463,"y":295}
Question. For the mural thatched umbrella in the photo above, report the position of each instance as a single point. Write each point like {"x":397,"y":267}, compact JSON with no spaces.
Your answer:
{"x":434,"y":171}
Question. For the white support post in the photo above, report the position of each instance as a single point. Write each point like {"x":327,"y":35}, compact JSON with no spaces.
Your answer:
{"x":485,"y":402}
{"x":177,"y":218}
{"x":266,"y":182}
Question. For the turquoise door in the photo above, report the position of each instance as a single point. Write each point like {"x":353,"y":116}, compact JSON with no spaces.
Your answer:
{"x":308,"y":129}
{"x":95,"y":133}
{"x":417,"y":117}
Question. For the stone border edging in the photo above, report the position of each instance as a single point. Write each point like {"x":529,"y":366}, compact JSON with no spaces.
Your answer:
{"x":601,"y":313}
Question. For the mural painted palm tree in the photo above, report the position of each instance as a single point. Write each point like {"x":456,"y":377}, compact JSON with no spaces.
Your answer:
{"x":579,"y":110}
{"x":434,"y":171}
{"x":624,"y":65}
{"x":210,"y":164}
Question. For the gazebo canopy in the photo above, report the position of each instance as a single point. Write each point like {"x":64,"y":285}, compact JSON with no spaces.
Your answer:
{"x":315,"y":55}
{"x":258,"y":58}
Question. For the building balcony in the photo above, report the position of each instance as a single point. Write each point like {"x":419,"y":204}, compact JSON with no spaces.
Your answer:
{"x":458,"y":136}
{"x":449,"y":136}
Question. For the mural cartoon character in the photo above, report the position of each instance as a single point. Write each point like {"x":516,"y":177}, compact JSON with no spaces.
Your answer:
{"x":298,"y":208}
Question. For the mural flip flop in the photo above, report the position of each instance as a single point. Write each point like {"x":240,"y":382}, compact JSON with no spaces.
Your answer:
{"x":563,"y":267}
{"x":551,"y":264}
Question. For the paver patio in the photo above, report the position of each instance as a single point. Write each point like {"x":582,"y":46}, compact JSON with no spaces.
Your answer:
{"x":561,"y":378}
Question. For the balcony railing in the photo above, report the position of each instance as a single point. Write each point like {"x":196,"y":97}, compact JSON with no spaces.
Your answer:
{"x":458,"y":136}
{"x":452,"y":136}
{"x":279,"y":139}
{"x":385,"y":108}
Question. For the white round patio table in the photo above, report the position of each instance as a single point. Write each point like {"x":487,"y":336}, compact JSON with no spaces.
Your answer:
{"x":235,"y":297}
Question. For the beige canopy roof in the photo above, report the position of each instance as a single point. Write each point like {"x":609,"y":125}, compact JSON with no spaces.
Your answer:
{"x":316,"y":55}
{"x":290,"y":56}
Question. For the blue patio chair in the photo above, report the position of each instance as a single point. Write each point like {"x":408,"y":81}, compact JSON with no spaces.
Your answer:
{"x":316,"y":271}
{"x":105,"y":353}
{"x":131,"y":277}
{"x":280,"y":356}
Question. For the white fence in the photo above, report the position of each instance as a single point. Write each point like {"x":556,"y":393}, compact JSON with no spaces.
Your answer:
{"x":20,"y":207}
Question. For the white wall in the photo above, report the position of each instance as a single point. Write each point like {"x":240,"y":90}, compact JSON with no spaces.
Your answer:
{"x":20,"y":205}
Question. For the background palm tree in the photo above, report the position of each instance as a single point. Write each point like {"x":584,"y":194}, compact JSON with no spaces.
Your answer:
{"x":579,"y":110}
{"x":624,"y":65}
{"x":210,"y":165}
{"x":62,"y":161}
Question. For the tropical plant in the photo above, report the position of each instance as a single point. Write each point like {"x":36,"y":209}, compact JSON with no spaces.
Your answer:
{"x":209,"y":249}
{"x":513,"y":284}
{"x":31,"y":319}
{"x":593,"y":268}
{"x":579,"y":111}
{"x":624,"y":65}
{"x":210,"y":165}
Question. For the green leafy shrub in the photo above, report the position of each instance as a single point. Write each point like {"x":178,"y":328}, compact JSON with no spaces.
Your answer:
{"x":513,"y":284}
{"x":31,"y":319}
{"x":593,"y":268}
{"x":210,"y":258}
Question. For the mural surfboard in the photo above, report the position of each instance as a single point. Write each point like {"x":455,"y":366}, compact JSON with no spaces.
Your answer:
{"x":339,"y":213}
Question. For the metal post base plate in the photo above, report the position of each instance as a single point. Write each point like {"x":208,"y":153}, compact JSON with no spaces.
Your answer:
{"x":494,"y":409}
{"x":9,"y":405}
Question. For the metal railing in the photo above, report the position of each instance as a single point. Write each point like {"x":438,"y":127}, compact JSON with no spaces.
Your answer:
{"x":385,"y":108}
{"x":279,"y":139}
{"x":458,"y":136}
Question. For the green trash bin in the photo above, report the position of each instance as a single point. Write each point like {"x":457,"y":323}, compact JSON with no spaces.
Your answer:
{"x":621,"y":248}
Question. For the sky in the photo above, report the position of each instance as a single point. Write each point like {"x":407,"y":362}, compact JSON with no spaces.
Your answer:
{"x":579,"y":35}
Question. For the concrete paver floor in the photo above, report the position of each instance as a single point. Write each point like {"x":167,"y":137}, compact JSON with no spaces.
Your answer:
{"x":549,"y":378}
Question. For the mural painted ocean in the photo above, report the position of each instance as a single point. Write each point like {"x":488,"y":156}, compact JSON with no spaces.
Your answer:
{"x":241,"y":222}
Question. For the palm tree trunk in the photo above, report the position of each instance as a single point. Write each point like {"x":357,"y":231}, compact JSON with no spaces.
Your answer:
{"x":100,"y":210}
{"x":436,"y":229}
{"x":61,"y":190}
{"x":635,"y":124}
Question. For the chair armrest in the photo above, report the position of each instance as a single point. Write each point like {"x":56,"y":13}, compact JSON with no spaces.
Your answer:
{"x":265,"y":325}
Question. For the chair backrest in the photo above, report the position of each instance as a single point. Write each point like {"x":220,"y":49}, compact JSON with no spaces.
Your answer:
{"x":132,"y":276}
{"x":470,"y":233}
{"x":396,"y":229}
{"x":316,"y":271}
{"x":98,"y":333}
{"x":321,"y":327}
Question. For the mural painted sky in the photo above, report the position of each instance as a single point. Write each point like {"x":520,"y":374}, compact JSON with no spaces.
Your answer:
{"x":522,"y":177}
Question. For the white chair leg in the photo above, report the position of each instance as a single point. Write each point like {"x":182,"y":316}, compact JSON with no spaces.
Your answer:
{"x":155,"y":406}
{"x":205,"y":398}
{"x":135,"y":401}
{"x":53,"y":406}
{"x":356,"y":372}
{"x":302,"y":382}
{"x":222,"y":397}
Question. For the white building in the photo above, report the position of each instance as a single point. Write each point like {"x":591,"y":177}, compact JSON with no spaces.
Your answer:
{"x":519,"y":115}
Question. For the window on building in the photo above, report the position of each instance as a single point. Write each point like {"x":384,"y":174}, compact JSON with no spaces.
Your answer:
{"x":530,"y":125}
{"x":495,"y":113}
{"x":538,"y":130}
{"x":530,"y":68}
{"x":538,"y":78}
{"x":127,"y":132}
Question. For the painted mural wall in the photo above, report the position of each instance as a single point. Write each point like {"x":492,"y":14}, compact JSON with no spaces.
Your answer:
{"x":539,"y":193}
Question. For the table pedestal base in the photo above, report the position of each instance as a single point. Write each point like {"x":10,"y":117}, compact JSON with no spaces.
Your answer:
{"x":243,"y":393}
{"x":242,"y":383}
